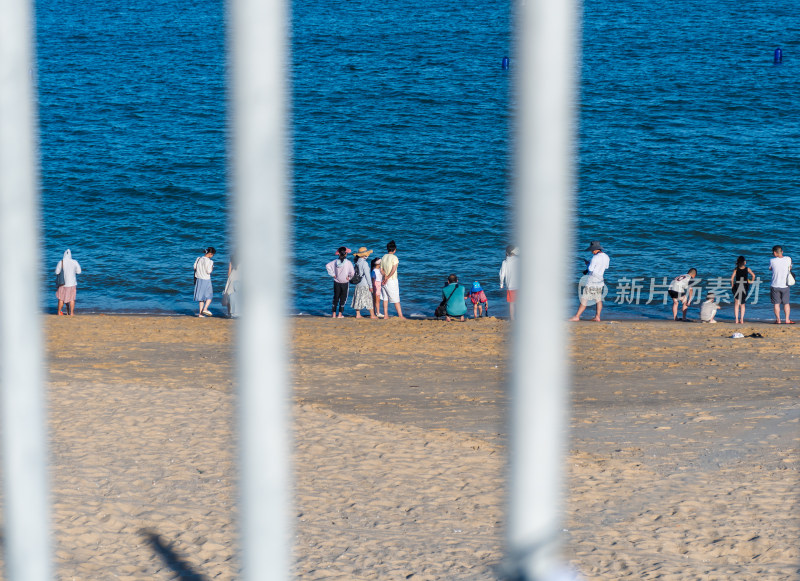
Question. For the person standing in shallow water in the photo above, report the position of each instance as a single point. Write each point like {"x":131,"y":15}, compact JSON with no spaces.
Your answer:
{"x":203,"y":292}
{"x":65,"y":293}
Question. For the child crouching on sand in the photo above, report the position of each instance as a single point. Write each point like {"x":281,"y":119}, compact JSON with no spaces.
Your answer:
{"x":708,"y":310}
{"x":478,"y":298}
{"x":377,"y":280}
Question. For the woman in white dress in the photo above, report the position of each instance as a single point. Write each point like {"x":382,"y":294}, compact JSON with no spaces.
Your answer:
{"x":230,"y":296}
{"x":362,"y":294}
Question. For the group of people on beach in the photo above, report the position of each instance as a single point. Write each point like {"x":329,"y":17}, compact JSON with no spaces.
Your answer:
{"x":203,"y":291}
{"x":377,"y":282}
{"x":372,"y":282}
{"x":68,"y":268}
{"x":681,"y":289}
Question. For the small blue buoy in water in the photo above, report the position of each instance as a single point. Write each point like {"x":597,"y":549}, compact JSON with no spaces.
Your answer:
{"x":778,"y":56}
{"x":505,"y":63}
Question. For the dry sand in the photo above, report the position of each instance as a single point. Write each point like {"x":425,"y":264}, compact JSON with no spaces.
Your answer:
{"x":683,"y":461}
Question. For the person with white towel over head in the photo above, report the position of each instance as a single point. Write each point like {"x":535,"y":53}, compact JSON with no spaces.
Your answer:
{"x":67,"y":270}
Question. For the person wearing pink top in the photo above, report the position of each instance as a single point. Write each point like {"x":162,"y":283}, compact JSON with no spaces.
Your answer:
{"x":478,"y":298}
{"x":377,"y":281}
{"x":342,"y":271}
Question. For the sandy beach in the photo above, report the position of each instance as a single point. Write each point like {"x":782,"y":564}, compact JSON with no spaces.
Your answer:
{"x":682,"y":465}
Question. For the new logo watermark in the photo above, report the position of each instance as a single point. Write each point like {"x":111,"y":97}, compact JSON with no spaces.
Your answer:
{"x":590,"y":294}
{"x":643,"y":291}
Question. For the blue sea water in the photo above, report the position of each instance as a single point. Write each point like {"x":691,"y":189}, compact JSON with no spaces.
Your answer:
{"x":401,"y":128}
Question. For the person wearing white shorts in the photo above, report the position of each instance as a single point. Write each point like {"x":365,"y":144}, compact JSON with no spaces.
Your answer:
{"x":390,"y":291}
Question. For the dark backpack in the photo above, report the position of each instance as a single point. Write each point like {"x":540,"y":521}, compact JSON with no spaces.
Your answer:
{"x":356,"y":276}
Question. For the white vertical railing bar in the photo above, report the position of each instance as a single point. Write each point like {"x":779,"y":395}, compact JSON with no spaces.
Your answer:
{"x":26,"y":527}
{"x":258,"y":37}
{"x":545,"y":71}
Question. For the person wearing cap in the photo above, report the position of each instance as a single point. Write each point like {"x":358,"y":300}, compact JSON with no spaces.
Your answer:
{"x":362,"y":293}
{"x":390,"y":290}
{"x":509,"y":276}
{"x":453,"y":293}
{"x":478,"y":298}
{"x":592,"y":292}
{"x":342,"y":271}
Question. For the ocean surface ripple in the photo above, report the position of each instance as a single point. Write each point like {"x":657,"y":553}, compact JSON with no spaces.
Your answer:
{"x":401,"y":128}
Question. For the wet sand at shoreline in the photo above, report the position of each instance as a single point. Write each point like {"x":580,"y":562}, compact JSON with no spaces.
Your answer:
{"x":682,"y":465}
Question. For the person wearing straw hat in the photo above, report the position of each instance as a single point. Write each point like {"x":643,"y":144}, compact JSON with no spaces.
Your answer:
{"x":595,"y":284}
{"x":362,"y":293}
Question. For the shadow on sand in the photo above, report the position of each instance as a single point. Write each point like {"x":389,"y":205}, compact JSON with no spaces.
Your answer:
{"x":163,"y":549}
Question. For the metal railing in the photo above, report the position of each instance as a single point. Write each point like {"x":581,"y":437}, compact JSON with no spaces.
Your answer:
{"x":545,"y":76}
{"x":26,"y":527}
{"x":258,"y":38}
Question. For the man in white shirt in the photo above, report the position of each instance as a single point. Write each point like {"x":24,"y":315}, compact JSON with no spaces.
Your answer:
{"x":780,"y":266}
{"x":595,"y":284}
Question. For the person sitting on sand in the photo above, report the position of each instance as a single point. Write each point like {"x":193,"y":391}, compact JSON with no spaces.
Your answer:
{"x":780,"y":266}
{"x":203,"y":292}
{"x":593,"y":290}
{"x":453,"y":293}
{"x":681,"y":290}
{"x":68,"y":269}
{"x":478,"y":298}
{"x":342,"y":271}
{"x":709,"y":308}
